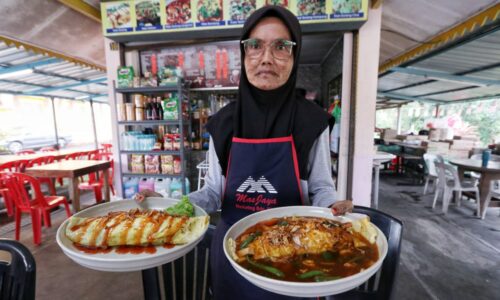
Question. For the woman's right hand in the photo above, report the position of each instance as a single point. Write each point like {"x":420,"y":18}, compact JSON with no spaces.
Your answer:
{"x":340,"y":208}
{"x":142,"y":195}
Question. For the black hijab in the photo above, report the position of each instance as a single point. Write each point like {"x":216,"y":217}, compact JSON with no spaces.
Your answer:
{"x":260,"y":114}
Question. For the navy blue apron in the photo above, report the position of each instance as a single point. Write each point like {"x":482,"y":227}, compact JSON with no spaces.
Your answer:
{"x":262,"y":174}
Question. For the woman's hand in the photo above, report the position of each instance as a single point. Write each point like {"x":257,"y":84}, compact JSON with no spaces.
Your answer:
{"x":142,"y":195}
{"x":340,"y":208}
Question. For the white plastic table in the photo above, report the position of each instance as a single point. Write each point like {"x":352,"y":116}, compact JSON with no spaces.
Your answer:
{"x":378,"y":159}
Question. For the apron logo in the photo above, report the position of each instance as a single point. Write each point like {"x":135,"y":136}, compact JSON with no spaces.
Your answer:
{"x":260,"y":186}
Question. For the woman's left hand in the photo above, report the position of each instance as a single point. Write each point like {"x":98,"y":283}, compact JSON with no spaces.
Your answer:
{"x":340,"y":208}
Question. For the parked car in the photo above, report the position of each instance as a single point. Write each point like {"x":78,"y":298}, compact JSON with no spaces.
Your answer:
{"x":33,"y":141}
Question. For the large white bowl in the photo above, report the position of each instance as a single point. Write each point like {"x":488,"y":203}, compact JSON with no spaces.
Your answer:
{"x":114,"y":262}
{"x":302,"y":289}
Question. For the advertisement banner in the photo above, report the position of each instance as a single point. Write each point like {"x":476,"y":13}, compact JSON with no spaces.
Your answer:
{"x":133,"y":17}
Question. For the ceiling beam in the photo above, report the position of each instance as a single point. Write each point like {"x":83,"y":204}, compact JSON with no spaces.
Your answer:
{"x":47,"y":86}
{"x":474,"y":99}
{"x":83,"y":8}
{"x":472,"y":24}
{"x":58,"y":97}
{"x":64,"y":76}
{"x":443,"y":76}
{"x":399,"y":97}
{"x":39,"y":50}
{"x":28,"y":66}
{"x":66,"y":86}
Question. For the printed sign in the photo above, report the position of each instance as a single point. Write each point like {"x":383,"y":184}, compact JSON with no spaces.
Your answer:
{"x":162,"y":16}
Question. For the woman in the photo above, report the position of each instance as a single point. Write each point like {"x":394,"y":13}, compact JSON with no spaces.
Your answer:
{"x":268,"y":149}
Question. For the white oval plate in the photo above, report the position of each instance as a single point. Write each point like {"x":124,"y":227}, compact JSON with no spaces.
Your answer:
{"x":302,"y":289}
{"x":114,"y":262}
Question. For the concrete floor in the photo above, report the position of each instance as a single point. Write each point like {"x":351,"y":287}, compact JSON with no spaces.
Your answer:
{"x":453,"y":256}
{"x":456,"y":256}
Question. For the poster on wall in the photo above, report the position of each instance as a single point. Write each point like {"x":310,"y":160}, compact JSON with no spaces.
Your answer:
{"x":209,"y":13}
{"x":203,"y":66}
{"x":347,"y":9}
{"x":240,"y":10}
{"x":178,"y":14}
{"x":117,"y":17}
{"x":163,"y":16}
{"x":147,"y":15}
{"x":282,"y":3}
{"x":311,"y":10}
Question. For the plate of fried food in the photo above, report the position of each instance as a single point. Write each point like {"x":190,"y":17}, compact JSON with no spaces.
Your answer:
{"x":119,"y":236}
{"x":305,"y":251}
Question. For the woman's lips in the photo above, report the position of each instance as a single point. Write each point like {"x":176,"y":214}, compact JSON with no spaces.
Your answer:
{"x":266,"y":73}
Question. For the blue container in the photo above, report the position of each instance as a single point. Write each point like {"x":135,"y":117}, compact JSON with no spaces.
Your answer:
{"x":486,"y":157}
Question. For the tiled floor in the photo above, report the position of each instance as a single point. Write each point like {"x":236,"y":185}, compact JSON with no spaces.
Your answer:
{"x":456,"y":256}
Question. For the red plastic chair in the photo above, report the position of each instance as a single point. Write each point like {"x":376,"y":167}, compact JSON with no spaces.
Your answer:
{"x":26,"y":152}
{"x":48,"y":149}
{"x":93,"y":155}
{"x":106,"y":148}
{"x":36,"y":205}
{"x":13,"y":166}
{"x":96,"y":184}
{"x":75,"y":156}
{"x":44,"y":180}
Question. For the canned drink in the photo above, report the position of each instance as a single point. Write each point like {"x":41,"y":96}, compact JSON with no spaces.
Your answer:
{"x":486,"y":157}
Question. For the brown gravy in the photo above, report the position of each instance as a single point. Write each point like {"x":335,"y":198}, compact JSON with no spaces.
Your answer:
{"x":345,"y":260}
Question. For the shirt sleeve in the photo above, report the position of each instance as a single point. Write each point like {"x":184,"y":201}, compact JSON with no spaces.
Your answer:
{"x":209,"y":196}
{"x":320,"y":184}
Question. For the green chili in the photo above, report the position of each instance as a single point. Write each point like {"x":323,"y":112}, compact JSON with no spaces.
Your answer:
{"x":327,"y":255}
{"x":355,"y":259}
{"x":310,"y":274}
{"x":272,"y":270}
{"x":326,"y":278}
{"x":250,"y":239}
{"x":282,"y":223}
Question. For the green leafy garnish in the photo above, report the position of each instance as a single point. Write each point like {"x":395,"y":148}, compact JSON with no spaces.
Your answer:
{"x":182,"y":208}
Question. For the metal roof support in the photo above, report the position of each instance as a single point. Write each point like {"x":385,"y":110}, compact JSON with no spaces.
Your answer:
{"x":398,"y":124}
{"x":66,"y":86}
{"x":472,"y":24}
{"x":96,"y":143}
{"x":442,"y":76}
{"x":55,"y":121}
{"x":399,"y":97}
{"x":27,"y":66}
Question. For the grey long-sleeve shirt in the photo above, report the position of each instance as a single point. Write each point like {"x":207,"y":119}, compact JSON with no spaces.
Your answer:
{"x":318,"y":190}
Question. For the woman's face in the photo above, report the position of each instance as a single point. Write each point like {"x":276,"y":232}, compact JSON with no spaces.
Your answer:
{"x":265,"y":72}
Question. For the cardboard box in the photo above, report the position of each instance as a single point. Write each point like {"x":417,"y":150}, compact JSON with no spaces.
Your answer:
{"x":417,"y":138}
{"x":458,"y":153}
{"x":438,"y":148}
{"x":461,"y":145}
{"x":388,"y":134}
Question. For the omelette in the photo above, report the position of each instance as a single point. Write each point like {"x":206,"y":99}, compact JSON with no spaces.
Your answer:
{"x":135,"y":228}
{"x":281,"y":239}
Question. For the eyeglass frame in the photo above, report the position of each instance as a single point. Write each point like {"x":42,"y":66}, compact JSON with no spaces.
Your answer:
{"x":283,"y":40}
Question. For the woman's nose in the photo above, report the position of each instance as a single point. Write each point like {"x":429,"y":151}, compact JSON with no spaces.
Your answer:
{"x":267,"y":55}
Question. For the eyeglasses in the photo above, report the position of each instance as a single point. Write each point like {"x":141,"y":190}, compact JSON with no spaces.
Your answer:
{"x":280,"y":49}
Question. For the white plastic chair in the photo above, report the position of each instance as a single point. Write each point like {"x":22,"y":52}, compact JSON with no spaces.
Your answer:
{"x":449,"y":182}
{"x":432,"y":175}
{"x":202,"y":170}
{"x":494,"y":192}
